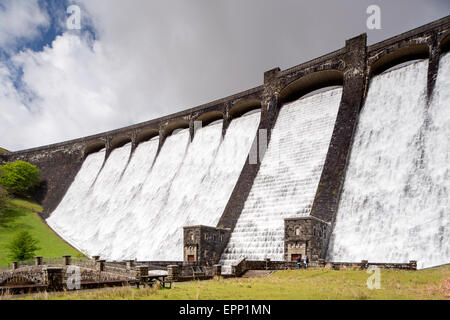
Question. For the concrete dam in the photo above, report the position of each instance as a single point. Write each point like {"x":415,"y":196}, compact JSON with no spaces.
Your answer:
{"x":344,"y":158}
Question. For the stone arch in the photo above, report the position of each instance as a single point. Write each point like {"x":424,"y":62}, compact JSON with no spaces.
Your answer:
{"x":146,"y":134}
{"x":444,"y":44}
{"x":208,"y":117}
{"x":118,"y":142}
{"x":401,"y":55}
{"x":311,"y":82}
{"x":175,"y":125}
{"x":242,"y":107}
{"x":94,"y":146}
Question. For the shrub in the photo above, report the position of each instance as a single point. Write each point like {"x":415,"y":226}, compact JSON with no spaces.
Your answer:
{"x":22,"y":246}
{"x":4,"y":197}
{"x":19,"y":177}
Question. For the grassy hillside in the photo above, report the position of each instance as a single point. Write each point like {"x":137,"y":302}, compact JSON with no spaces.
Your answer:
{"x":290,"y":285}
{"x":20,"y":215}
{"x":2,"y":150}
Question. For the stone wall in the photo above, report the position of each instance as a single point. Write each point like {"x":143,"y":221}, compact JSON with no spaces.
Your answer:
{"x":351,"y":66}
{"x":412,"y":265}
{"x":58,"y":168}
{"x":203,"y":245}
{"x":244,"y":265}
{"x":305,"y":236}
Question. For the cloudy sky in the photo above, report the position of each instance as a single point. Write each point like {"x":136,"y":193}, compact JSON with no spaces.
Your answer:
{"x":133,"y":61}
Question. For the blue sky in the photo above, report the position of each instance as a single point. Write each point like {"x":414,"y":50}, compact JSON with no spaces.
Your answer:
{"x":137,"y":60}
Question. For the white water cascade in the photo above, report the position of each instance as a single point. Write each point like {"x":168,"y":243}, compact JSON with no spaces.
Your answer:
{"x":287,"y":180}
{"x":395,"y":201}
{"x":137,"y":207}
{"x":70,"y":206}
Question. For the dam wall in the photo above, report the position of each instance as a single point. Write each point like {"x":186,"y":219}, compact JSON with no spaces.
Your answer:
{"x":351,"y":68}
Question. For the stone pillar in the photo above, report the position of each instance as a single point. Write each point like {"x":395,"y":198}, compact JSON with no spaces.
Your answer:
{"x":331,"y":181}
{"x":364,"y":264}
{"x":54,"y":278}
{"x":66,"y":260}
{"x":141,"y":271}
{"x":217,"y":270}
{"x":162,"y":139}
{"x":332,"y":178}
{"x":226,"y":118}
{"x":108,"y":147}
{"x":269,"y":112}
{"x":269,"y":107}
{"x":100,"y":265}
{"x":173,"y":272}
{"x":433,"y":65}
{"x":267,"y":260}
{"x":192,"y":129}
{"x":15,"y":265}
{"x":37,"y":261}
{"x":413,"y":264}
{"x":95,"y":258}
{"x":134,"y":142}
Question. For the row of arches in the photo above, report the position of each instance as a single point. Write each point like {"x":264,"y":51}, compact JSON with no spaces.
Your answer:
{"x":407,"y":53}
{"x":239,"y":109}
{"x":333,"y":77}
{"x":291,"y":91}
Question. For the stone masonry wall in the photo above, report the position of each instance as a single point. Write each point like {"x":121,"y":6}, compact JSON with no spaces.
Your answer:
{"x":305,"y":236}
{"x":352,"y":66}
{"x":204,"y":244}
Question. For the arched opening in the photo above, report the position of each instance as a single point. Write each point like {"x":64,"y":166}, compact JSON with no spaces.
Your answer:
{"x":401,"y":55}
{"x":119,"y":141}
{"x":401,"y":65}
{"x":323,"y":89}
{"x":244,"y":107}
{"x":310,"y":83}
{"x":209,"y":117}
{"x":146,"y":135}
{"x":444,"y":46}
{"x":175,"y":125}
{"x":94,"y":147}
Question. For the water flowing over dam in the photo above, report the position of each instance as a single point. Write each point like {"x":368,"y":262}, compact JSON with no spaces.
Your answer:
{"x":395,"y":201}
{"x":288,"y":178}
{"x":136,"y":208}
{"x":348,"y":160}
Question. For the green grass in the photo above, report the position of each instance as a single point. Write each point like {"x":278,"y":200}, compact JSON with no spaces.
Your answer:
{"x":288,"y":285}
{"x":22,"y":215}
{"x":2,"y":150}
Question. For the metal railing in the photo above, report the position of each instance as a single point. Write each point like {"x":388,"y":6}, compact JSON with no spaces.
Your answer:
{"x":197,"y":271}
{"x":82,"y":261}
{"x":51,"y":260}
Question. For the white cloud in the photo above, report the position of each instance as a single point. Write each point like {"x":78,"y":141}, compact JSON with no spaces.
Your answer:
{"x":19,"y":20}
{"x":73,"y":94}
{"x":152,"y":58}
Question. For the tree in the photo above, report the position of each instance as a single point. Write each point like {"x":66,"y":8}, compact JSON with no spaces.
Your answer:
{"x":23,"y":246}
{"x":19,"y":177}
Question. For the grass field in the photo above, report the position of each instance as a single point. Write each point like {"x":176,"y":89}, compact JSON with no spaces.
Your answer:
{"x":22,"y":215}
{"x":288,"y":285}
{"x":3,"y":150}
